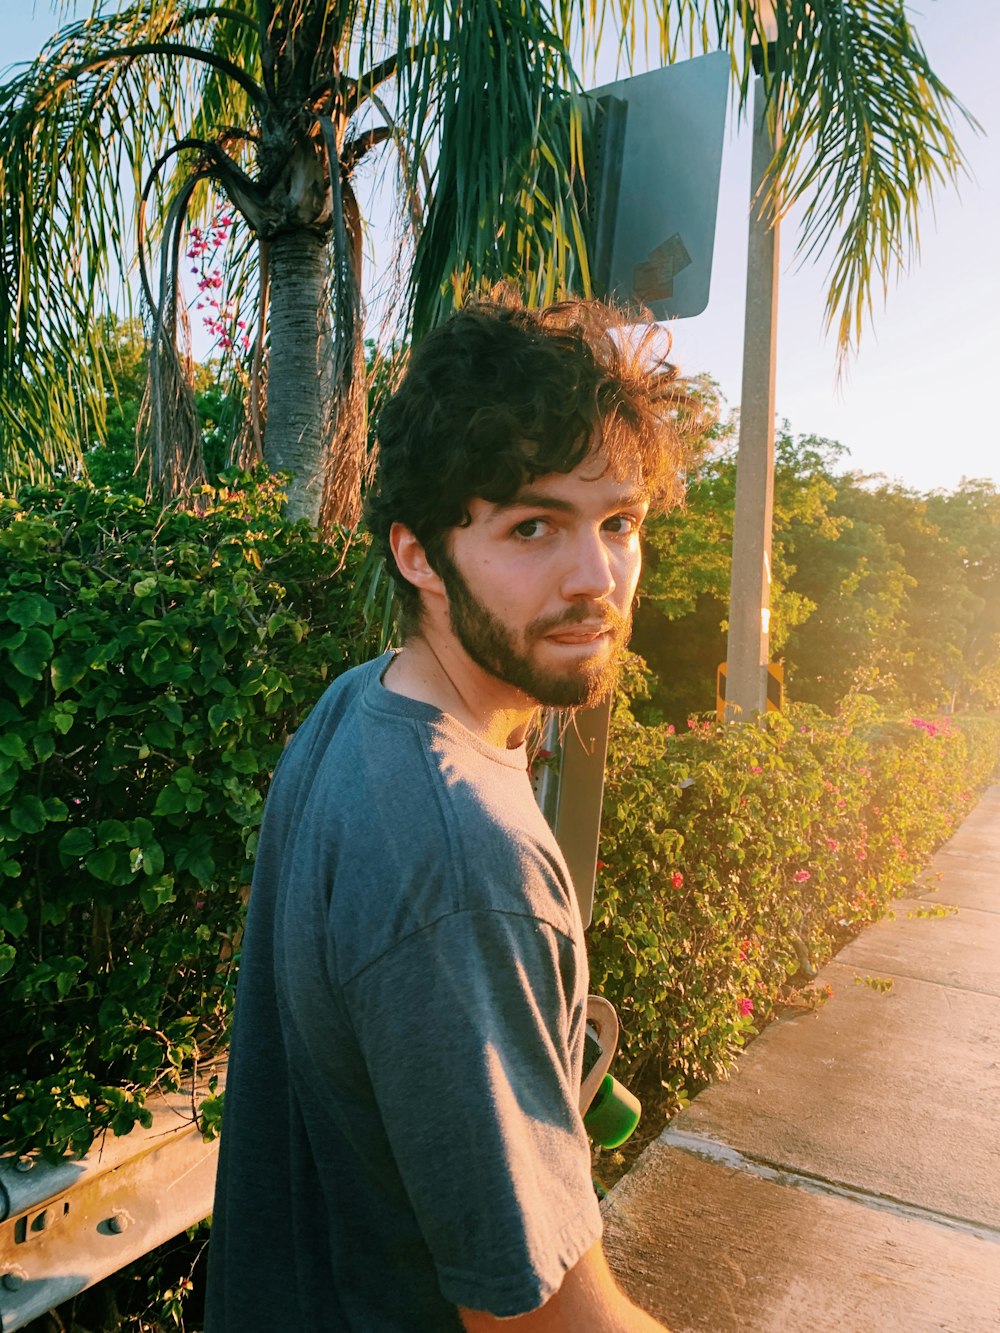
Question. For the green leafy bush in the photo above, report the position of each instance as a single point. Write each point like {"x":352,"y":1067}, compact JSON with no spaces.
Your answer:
{"x":736,"y":860}
{"x":152,"y":664}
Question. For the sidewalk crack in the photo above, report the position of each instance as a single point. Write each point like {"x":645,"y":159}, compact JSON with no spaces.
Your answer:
{"x":985,"y":858}
{"x":710,"y":1150}
{"x":884,"y":969}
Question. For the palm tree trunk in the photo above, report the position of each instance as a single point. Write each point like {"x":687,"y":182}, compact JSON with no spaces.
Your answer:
{"x":297,"y":434}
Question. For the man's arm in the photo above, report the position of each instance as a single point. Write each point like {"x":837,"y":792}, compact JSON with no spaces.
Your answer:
{"x":588,"y":1299}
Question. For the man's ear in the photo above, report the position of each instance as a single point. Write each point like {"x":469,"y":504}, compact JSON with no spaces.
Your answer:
{"x":411,"y":560}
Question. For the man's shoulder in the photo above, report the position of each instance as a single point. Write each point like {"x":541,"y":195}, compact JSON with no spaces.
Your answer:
{"x":406,"y":816}
{"x":502,"y":854}
{"x":353,"y":700}
{"x":341,"y":695}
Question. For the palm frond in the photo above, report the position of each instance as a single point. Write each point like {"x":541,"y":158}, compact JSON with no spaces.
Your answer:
{"x":491,"y":111}
{"x":867,"y":132}
{"x":76,"y":127}
{"x":869,"y":136}
{"x":173,"y":100}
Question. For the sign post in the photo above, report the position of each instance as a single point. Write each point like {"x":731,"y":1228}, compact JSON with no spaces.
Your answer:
{"x":654,"y":181}
{"x":748,"y":648}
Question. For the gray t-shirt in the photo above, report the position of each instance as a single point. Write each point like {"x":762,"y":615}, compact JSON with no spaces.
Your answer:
{"x":401,"y":1130}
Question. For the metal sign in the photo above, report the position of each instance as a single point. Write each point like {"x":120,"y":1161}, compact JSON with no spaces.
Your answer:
{"x":668,"y":187}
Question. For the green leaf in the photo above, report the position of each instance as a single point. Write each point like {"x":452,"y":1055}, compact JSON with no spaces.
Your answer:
{"x":8,"y":956}
{"x":154,"y":895}
{"x":170,"y":801}
{"x":146,"y":587}
{"x":14,"y":748}
{"x":103,"y":864}
{"x":14,"y":920}
{"x":76,"y":842}
{"x":159,"y":735}
{"x":28,"y":815}
{"x":12,"y":639}
{"x":65,"y":982}
{"x":44,"y":746}
{"x":172,"y":711}
{"x":31,"y":609}
{"x":112,"y":830}
{"x":33,"y":656}
{"x":218,"y":716}
{"x":199,"y":861}
{"x":152,"y":858}
{"x":66,"y":671}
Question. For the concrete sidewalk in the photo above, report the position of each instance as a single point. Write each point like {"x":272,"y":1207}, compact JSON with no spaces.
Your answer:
{"x":847,"y":1178}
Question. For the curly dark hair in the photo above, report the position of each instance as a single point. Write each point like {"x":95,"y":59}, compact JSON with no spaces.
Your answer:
{"x":499,"y":395}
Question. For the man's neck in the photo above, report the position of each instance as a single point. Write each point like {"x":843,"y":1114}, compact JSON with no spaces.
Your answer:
{"x":486,"y":706}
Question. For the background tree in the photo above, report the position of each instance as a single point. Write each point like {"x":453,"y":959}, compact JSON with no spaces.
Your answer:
{"x":969,"y":519}
{"x":270,"y":106}
{"x":681,"y":621}
{"x":109,"y":454}
{"x":877,"y":590}
{"x":908,"y":598}
{"x":857,"y":581}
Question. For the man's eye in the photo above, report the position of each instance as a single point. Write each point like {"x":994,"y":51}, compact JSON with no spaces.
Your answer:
{"x":531,"y":527}
{"x":622,"y":524}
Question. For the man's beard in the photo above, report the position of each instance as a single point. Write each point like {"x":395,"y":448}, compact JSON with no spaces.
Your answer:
{"x":492,"y":646}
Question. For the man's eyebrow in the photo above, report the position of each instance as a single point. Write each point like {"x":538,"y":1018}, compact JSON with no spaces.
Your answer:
{"x":532,"y":499}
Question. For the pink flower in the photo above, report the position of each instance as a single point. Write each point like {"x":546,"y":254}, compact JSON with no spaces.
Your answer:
{"x":756,"y":769}
{"x":833,"y":844}
{"x":677,"y":880}
{"x":746,"y":1008}
{"x":801,"y":876}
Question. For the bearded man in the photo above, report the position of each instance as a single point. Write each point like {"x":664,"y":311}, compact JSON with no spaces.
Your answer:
{"x":403,"y":1147}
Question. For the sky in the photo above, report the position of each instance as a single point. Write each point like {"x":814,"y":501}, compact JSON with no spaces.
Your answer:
{"x":918,"y":403}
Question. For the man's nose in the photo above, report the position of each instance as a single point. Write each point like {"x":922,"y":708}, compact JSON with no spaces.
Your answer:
{"x":589,"y":572}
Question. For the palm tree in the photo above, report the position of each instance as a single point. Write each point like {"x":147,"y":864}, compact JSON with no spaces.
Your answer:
{"x":272,"y":105}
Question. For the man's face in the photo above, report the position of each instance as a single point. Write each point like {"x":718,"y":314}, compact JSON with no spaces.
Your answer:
{"x":540,"y":590}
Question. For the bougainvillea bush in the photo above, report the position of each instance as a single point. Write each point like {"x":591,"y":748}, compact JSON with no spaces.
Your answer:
{"x":152,"y":665}
{"x":734,"y":861}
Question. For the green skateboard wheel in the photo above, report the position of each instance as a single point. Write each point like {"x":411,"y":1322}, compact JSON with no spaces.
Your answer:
{"x":613,"y":1114}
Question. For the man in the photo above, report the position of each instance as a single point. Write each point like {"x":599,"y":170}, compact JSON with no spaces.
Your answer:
{"x":403,"y":1147}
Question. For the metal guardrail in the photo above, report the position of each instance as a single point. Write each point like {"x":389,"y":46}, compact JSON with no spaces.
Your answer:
{"x":67,"y":1226}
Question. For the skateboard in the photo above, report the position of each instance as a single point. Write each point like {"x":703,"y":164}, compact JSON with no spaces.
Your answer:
{"x":610,"y":1112}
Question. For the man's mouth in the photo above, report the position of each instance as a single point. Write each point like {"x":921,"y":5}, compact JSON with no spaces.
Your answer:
{"x":580,"y":633}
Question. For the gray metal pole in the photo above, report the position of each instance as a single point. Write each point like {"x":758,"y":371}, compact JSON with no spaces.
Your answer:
{"x":750,"y":591}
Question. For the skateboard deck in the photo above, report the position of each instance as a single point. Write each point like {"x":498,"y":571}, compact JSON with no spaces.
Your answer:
{"x":610,"y":1112}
